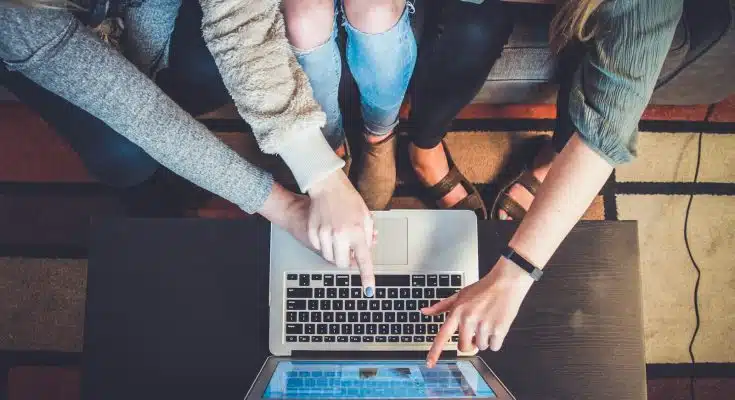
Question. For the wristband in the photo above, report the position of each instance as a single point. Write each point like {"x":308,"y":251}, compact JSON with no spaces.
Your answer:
{"x":518,"y":260}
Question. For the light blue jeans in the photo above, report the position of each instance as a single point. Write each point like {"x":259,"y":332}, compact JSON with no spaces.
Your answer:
{"x":381,"y":64}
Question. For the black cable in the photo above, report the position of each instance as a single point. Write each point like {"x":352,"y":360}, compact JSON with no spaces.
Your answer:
{"x":692,"y":378}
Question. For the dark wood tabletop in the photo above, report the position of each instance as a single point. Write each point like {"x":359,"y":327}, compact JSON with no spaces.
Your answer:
{"x":179,"y":309}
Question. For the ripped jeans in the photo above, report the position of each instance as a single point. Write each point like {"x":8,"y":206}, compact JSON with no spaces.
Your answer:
{"x":381,"y":64}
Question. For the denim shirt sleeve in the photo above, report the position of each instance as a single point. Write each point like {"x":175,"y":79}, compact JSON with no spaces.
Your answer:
{"x":617,"y":76}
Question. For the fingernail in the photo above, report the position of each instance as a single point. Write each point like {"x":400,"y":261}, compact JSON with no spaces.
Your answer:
{"x":369,"y":291}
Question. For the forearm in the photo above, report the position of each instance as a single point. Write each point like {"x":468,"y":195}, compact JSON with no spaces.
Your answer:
{"x":575,"y":178}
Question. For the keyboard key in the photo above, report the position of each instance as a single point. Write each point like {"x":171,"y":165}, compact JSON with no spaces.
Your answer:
{"x":432,"y":302}
{"x":430,"y":339}
{"x":420,"y":329}
{"x":433,"y":329}
{"x":381,"y":339}
{"x":377,"y":317}
{"x":342,"y":339}
{"x":333,"y":329}
{"x":414,"y":317}
{"x":356,"y":293}
{"x":292,"y":277}
{"x":439,"y":318}
{"x":303,"y":316}
{"x":294,"y":329}
{"x":344,"y":293}
{"x":431,"y":280}
{"x":354,"y":339}
{"x":304,"y":280}
{"x":343,"y":280}
{"x":352,"y":317}
{"x":402,"y":317}
{"x":455,"y":338}
{"x":317,"y":339}
{"x":374,"y":305}
{"x":443,"y":293}
{"x":371,"y":329}
{"x":418,"y":280}
{"x":349,"y":305}
{"x":310,"y":329}
{"x":405,"y":293}
{"x":313,"y":305}
{"x":337,"y":305}
{"x":406,"y":339}
{"x":384,"y":329}
{"x":425,"y":318}
{"x":362,"y":305}
{"x":418,"y":339}
{"x":319,"y":293}
{"x":417,"y":293}
{"x":443,"y":280}
{"x":392,"y":280}
{"x":359,"y":329}
{"x":291,"y":316}
{"x":392,"y":293}
{"x":380,"y":293}
{"x":411,"y":305}
{"x":456,"y":280}
{"x":316,"y":277}
{"x":325,"y":305}
{"x":393,"y":339}
{"x":340,"y":317}
{"x":290,"y":339}
{"x":331,"y":293}
{"x":329,"y":339}
{"x":364,"y":316}
{"x":368,"y":339}
{"x":429,"y":293}
{"x":407,"y":329}
{"x":395,"y":329}
{"x":390,"y":317}
{"x":303,"y":339}
{"x":328,"y":317}
{"x":423,"y":304}
{"x":347,"y":329}
{"x":399,"y":305}
{"x":298,"y":293}
{"x":328,"y":280}
{"x":316,"y":316}
{"x":322,"y":329}
{"x":295,"y":304}
{"x":386,"y":304}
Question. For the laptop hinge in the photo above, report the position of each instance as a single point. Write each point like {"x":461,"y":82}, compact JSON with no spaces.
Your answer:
{"x":382,"y":355}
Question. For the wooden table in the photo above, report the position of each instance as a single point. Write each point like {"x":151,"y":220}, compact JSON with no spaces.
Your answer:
{"x":179,"y":309}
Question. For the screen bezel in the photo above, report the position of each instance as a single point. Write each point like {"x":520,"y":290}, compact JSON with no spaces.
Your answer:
{"x":261,"y":381}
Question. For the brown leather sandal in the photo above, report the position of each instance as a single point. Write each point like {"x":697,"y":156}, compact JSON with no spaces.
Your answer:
{"x":454,"y":177}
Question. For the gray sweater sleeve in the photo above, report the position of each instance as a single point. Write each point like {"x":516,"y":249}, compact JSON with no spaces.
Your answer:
{"x":618,"y":74}
{"x":54,"y":50}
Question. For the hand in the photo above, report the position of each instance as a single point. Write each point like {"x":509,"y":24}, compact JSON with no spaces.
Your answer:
{"x":483,"y":311}
{"x":340,"y":226}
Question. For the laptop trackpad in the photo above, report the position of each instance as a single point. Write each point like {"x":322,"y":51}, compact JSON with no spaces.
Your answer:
{"x":392,"y":247}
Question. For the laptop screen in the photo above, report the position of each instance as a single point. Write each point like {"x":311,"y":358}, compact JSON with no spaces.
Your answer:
{"x":376,"y":380}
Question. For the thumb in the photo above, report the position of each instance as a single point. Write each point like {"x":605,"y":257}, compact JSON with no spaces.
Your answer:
{"x":440,"y":307}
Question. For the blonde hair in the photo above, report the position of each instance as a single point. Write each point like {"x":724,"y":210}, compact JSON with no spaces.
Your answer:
{"x":571,"y":23}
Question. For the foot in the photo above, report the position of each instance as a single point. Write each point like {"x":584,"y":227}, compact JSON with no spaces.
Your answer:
{"x":431,"y":165}
{"x":541,"y":165}
{"x":376,"y":179}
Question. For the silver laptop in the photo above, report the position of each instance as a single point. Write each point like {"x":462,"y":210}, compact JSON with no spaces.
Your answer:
{"x":329,"y":341}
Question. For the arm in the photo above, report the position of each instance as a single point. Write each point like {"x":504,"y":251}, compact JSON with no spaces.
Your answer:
{"x":247,"y":39}
{"x":609,"y":95}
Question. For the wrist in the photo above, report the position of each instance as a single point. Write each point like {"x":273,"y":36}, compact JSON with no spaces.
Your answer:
{"x":276,"y":207}
{"x":515,"y":274}
{"x":334,"y":179}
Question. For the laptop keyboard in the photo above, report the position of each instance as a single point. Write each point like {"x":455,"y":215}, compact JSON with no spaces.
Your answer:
{"x":324,"y":308}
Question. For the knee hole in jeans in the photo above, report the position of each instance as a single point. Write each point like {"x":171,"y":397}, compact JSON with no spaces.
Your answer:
{"x":309,"y":25}
{"x":372,"y":17}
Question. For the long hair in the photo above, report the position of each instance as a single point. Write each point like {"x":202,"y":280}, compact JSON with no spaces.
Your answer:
{"x":572,"y":22}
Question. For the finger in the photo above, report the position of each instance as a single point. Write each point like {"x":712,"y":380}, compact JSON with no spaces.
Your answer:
{"x":466,"y":333}
{"x":369,"y":227}
{"x":313,"y":233}
{"x":440,"y":307}
{"x":325,"y":238}
{"x":496,"y":340}
{"x":341,"y":251}
{"x":445,"y":333}
{"x":365,"y":262}
{"x":482,"y":336}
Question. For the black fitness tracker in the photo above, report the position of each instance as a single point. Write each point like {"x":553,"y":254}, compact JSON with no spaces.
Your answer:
{"x":518,"y":260}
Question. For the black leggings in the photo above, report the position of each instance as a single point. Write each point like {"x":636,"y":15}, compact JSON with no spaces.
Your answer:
{"x":459,"y":44}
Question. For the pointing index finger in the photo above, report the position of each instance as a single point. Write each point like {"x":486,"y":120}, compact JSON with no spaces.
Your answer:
{"x":364,"y":260}
{"x":445,"y":333}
